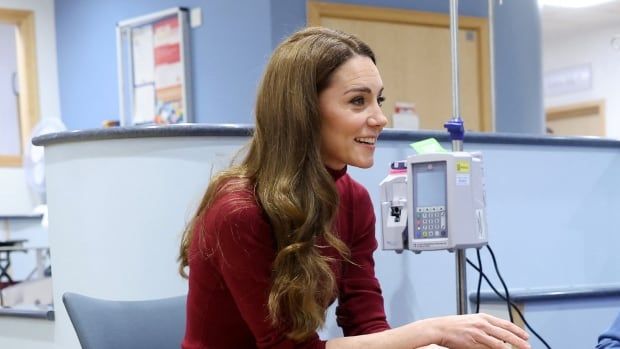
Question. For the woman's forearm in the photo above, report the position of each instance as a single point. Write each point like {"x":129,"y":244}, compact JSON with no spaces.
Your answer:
{"x":473,"y":331}
{"x":410,"y":336}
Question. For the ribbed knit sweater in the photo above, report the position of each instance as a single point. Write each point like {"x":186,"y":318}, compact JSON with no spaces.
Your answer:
{"x":230,"y":271}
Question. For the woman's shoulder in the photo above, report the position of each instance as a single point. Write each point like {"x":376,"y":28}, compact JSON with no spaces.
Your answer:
{"x":352,"y":188}
{"x":235,"y":197}
{"x":234,"y":208}
{"x":233,"y":222}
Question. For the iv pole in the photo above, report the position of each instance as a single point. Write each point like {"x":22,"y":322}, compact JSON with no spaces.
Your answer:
{"x":457,"y":131}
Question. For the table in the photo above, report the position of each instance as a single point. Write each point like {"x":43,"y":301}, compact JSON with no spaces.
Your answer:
{"x":6,"y":247}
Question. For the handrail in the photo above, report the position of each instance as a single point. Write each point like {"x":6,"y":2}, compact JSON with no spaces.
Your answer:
{"x":546,"y":295}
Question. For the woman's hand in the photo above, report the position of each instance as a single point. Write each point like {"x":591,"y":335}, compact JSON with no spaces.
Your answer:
{"x":478,"y":331}
{"x":475,"y":331}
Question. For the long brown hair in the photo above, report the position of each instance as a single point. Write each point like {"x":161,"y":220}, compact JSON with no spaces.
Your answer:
{"x":284,"y":168}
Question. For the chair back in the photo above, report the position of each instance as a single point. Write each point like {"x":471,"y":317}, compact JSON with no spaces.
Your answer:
{"x":148,"y":324}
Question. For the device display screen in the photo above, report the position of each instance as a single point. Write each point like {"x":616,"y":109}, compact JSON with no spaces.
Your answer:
{"x":429,"y":199}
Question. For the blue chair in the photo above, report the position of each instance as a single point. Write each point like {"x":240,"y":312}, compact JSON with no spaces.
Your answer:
{"x":105,"y":324}
{"x":610,"y":339}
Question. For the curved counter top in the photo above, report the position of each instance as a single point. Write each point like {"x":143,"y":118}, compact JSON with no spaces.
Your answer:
{"x":119,"y":199}
{"x":28,"y":313}
{"x":245,"y":130}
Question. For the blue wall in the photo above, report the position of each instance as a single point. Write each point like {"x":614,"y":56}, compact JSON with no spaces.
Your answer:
{"x":230,"y":49}
{"x":518,"y":68}
{"x":229,"y":52}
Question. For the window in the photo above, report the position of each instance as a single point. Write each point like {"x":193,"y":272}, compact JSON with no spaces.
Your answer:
{"x":19,"y":98}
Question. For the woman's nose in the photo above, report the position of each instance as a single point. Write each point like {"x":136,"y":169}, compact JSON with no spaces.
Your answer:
{"x":378,"y":119}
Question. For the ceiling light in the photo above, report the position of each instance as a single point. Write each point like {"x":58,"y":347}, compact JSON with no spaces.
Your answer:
{"x":572,"y":3}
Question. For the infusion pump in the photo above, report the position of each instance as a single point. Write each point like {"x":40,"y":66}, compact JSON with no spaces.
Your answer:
{"x":434,"y":202}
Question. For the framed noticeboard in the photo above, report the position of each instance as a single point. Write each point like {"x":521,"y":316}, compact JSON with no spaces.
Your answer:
{"x":153,"y":68}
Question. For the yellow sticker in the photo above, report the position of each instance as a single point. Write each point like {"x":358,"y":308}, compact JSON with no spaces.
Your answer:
{"x":462,"y":166}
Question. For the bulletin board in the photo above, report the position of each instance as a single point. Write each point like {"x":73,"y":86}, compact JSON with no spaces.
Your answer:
{"x":153,"y":68}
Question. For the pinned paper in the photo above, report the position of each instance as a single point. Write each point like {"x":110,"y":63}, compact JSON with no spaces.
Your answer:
{"x":427,"y":146}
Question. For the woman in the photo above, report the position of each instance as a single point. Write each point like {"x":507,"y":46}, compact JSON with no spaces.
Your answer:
{"x":279,"y":237}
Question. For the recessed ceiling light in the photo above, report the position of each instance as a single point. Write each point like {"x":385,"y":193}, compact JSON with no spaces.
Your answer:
{"x":572,"y":3}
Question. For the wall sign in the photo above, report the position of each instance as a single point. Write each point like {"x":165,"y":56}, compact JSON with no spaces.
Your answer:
{"x":153,"y":69}
{"x":568,"y":80}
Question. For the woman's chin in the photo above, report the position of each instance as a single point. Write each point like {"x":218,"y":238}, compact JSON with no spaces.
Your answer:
{"x":363,"y":163}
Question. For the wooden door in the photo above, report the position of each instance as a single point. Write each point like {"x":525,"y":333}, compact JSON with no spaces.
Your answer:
{"x":413,"y":56}
{"x":582,"y":119}
{"x":27,"y":78}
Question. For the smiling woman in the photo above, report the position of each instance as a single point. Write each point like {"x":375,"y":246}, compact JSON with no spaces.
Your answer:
{"x":18,"y":86}
{"x":281,"y":235}
{"x":352,"y":115}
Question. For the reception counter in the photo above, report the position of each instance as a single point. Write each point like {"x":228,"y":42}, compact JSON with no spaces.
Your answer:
{"x":119,"y":200}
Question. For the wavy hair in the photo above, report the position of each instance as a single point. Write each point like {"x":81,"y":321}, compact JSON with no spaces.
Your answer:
{"x":285,"y":170}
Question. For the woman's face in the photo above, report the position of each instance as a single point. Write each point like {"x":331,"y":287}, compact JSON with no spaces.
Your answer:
{"x":351,"y":114}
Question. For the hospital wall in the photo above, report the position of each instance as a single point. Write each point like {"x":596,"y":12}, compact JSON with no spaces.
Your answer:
{"x":230,"y":49}
{"x":602,"y":58}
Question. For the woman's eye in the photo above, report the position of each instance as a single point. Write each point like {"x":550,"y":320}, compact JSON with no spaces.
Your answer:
{"x":380,"y":100}
{"x":358,"y":101}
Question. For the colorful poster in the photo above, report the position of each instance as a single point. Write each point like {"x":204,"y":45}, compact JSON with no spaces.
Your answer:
{"x":158,"y":72}
{"x":168,"y":71}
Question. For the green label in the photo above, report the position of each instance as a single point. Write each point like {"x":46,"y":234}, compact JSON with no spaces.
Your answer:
{"x":427,"y":146}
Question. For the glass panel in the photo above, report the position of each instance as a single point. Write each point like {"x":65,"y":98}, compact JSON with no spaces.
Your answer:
{"x":9,"y":108}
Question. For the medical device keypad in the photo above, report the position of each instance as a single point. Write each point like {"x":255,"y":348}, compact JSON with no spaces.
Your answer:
{"x":430,"y":222}
{"x":429,"y":200}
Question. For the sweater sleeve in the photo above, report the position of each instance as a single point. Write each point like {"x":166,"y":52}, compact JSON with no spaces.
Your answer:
{"x":244,"y":257}
{"x":360,"y":303}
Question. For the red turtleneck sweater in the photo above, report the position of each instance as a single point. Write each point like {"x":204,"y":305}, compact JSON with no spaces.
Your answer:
{"x":230,"y":273}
